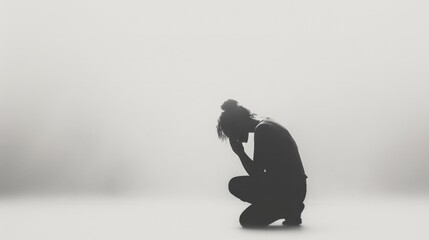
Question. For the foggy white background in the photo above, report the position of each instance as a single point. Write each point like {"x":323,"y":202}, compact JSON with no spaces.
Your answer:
{"x":108,"y":112}
{"x":122,"y":97}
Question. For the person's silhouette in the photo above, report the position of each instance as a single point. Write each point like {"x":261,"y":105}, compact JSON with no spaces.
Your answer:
{"x":276,"y":185}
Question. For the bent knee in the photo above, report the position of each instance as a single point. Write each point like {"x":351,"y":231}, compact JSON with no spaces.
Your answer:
{"x":233,"y":185}
{"x":236,"y":183}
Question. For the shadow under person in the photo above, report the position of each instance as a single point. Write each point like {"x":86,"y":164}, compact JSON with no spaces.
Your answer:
{"x":276,"y":185}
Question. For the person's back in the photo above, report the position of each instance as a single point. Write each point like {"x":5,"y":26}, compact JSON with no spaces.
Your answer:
{"x":281,"y":157}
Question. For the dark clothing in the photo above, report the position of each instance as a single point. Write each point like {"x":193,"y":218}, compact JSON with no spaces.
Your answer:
{"x":270,"y":200}
{"x":252,"y":191}
{"x":278,"y":189}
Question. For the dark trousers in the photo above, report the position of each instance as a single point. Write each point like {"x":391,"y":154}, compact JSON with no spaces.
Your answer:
{"x":270,"y":200}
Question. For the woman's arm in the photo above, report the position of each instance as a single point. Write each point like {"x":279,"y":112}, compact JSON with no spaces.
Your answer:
{"x":262,"y":151}
{"x":247,"y":163}
{"x":263,"y":137}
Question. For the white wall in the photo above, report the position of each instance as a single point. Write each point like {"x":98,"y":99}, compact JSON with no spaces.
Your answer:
{"x":123,"y":96}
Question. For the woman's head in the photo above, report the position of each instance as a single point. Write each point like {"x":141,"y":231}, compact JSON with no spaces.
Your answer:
{"x":233,"y":121}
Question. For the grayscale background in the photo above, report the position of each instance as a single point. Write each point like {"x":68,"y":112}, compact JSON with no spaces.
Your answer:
{"x":121,"y":98}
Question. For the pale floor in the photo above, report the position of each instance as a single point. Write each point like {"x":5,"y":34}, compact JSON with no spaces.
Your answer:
{"x":205,"y":218}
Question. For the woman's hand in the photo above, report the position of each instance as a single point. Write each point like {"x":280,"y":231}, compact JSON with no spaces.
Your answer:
{"x":237,"y":147}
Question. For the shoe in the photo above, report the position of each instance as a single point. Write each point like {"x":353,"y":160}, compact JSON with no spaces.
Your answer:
{"x":295,"y":220}
{"x":292,"y":222}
